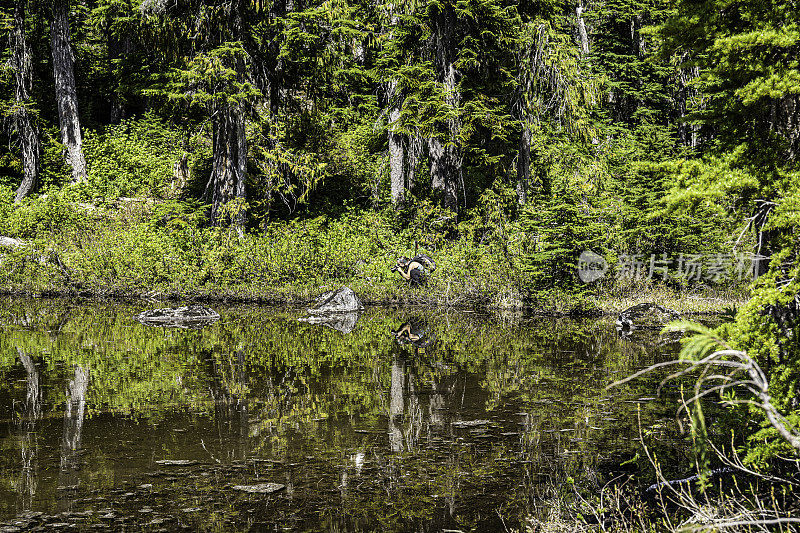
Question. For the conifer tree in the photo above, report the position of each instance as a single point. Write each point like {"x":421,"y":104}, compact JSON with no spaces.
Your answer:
{"x":749,"y":78}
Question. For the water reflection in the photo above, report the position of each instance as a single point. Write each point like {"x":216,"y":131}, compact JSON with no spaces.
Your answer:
{"x":74,"y":413}
{"x":32,"y":411}
{"x":415,"y":332}
{"x":450,"y":422}
{"x":341,"y":322}
{"x":228,"y":388}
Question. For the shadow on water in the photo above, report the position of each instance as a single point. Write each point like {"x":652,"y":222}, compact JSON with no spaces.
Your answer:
{"x":408,"y":422}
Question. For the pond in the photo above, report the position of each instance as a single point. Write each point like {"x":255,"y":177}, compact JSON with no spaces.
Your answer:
{"x":401,"y":420}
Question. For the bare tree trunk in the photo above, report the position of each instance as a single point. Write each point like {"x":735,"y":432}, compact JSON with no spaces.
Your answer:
{"x":66,"y":95}
{"x":22,"y":120}
{"x":413,"y":151}
{"x":524,"y":163}
{"x":583,"y":37}
{"x":229,"y":162}
{"x":229,"y":167}
{"x":117,"y":49}
{"x":786,"y":122}
{"x":183,"y":173}
{"x":396,"y":155}
{"x":446,"y":159}
{"x":445,"y":171}
{"x":687,"y":132}
{"x":522,"y":112}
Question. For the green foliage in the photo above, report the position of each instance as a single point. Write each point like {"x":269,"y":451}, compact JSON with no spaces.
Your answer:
{"x":134,"y":158}
{"x":556,"y":234}
{"x":747,"y":53}
{"x":640,"y":85}
{"x":213,"y":79}
{"x":747,"y":58}
{"x":52,"y":213}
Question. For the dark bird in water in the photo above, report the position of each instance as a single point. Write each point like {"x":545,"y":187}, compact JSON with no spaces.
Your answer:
{"x":416,"y":270}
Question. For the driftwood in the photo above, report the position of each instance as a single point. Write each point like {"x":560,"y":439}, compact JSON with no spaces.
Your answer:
{"x":190,"y":317}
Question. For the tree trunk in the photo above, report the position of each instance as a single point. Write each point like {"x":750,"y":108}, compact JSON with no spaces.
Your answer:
{"x":21,"y":117}
{"x":118,"y":48}
{"x":687,"y":133}
{"x":66,"y":95}
{"x":583,"y":37}
{"x":396,"y":155}
{"x":446,"y":160}
{"x":229,"y":167}
{"x":413,"y":151}
{"x":524,"y":164}
{"x":785,"y":121}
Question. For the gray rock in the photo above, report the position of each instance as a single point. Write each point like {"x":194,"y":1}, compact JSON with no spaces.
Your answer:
{"x":646,"y":316}
{"x":10,"y":242}
{"x":193,"y":317}
{"x":260,"y":488}
{"x":342,"y":300}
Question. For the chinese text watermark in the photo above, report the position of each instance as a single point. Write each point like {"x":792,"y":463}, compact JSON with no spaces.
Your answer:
{"x":712,"y":268}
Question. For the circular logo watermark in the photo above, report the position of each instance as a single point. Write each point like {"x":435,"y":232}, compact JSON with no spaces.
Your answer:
{"x":591,"y":266}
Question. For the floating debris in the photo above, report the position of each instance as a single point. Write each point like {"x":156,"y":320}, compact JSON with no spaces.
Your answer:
{"x":470,"y":423}
{"x":176,"y":462}
{"x":189,"y":317}
{"x":260,"y":488}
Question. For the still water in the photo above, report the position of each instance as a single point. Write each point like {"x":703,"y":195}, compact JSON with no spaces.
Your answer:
{"x":393,"y":420}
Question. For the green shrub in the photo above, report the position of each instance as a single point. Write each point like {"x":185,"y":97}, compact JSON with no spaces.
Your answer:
{"x":134,"y":158}
{"x":556,"y":235}
{"x":52,"y":212}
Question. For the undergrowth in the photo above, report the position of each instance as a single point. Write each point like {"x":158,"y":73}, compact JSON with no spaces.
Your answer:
{"x":165,"y":248}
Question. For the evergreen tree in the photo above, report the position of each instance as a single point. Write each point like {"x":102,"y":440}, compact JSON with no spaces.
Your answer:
{"x":749,"y":78}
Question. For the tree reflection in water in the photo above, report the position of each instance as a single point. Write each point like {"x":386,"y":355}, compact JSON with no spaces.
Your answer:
{"x":74,"y":412}
{"x":32,"y":411}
